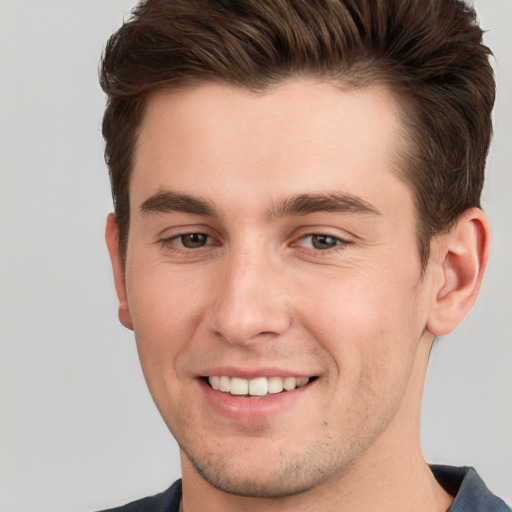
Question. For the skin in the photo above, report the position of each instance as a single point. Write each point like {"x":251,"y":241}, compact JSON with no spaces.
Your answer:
{"x":265,"y":288}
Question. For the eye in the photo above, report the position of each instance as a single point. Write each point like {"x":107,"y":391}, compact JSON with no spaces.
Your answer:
{"x":192,"y":240}
{"x":320,"y":242}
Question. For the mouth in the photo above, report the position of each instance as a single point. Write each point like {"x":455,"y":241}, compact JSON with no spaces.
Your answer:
{"x":256,"y":387}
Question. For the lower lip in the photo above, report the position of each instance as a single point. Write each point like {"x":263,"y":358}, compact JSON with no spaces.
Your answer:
{"x":251,"y":409}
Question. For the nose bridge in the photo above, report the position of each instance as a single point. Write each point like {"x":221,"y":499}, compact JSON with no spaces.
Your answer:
{"x":251,"y":297}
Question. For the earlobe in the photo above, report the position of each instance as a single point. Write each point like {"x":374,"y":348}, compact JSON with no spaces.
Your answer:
{"x":112,"y":239}
{"x":460,"y":261}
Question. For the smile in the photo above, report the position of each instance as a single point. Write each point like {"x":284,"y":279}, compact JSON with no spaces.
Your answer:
{"x":259,"y":386}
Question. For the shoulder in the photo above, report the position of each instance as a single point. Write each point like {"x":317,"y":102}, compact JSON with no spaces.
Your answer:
{"x":167,"y":501}
{"x":471,"y":493}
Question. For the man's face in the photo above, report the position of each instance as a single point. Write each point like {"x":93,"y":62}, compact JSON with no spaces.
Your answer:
{"x":271,"y":239}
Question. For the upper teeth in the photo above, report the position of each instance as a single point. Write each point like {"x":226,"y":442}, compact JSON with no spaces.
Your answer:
{"x":259,"y":386}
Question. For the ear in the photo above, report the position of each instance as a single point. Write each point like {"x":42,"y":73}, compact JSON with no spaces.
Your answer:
{"x":112,"y":239}
{"x":459,"y":259}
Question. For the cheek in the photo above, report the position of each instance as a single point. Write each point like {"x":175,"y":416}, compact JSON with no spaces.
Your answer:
{"x":370,"y":322}
{"x":165,"y":311}
{"x":371,"y":335}
{"x":165,"y":314}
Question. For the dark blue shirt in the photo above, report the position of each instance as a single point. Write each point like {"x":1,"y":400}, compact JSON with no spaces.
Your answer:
{"x":471,"y":494}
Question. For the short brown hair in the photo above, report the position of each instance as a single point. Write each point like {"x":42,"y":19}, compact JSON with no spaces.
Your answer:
{"x":428,"y":52}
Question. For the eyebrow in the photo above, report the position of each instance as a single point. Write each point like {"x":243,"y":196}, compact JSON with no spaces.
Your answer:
{"x":332,"y":202}
{"x":168,"y":201}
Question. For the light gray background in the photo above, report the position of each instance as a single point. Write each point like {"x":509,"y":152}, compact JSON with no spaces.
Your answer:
{"x":78,"y":428}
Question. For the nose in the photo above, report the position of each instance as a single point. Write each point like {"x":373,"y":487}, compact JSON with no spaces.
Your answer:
{"x":250,"y":301}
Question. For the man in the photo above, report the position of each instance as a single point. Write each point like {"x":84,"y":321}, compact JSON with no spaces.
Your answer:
{"x":297,"y":188}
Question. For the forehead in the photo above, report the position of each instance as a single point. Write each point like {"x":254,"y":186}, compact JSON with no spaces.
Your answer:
{"x":297,"y":137}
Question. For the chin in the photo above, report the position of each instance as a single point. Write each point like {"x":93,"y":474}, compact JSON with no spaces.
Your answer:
{"x":267,"y":486}
{"x":241,"y":478}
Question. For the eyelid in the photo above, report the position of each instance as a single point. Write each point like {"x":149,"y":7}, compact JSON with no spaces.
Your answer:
{"x":340,"y":234}
{"x":185,"y":229}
